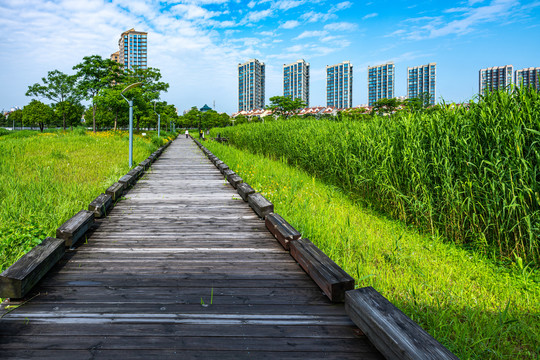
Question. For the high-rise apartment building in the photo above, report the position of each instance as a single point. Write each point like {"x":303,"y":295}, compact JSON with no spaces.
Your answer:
{"x":421,"y":80}
{"x":528,"y":77}
{"x":495,"y":78}
{"x":251,"y":77}
{"x":133,"y":49}
{"x":339,"y":84}
{"x":296,"y":81}
{"x":381,"y":82}
{"x":115,"y":56}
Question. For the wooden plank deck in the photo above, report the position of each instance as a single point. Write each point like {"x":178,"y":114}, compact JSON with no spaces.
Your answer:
{"x":140,"y":287}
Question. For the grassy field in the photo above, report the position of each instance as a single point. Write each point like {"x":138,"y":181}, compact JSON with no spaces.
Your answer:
{"x":46,"y":178}
{"x":479,"y":310}
{"x":471,"y":175}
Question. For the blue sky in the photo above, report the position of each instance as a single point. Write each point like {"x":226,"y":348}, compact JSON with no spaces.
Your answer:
{"x":198,"y":44}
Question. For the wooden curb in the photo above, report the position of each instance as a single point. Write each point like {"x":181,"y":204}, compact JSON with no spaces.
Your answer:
{"x":75,"y":228}
{"x":260,"y":204}
{"x":281,"y":229}
{"x":18,"y":279}
{"x":392,"y":332}
{"x":115,"y":190}
{"x":244,"y":190}
{"x":235,"y":180}
{"x":127,"y":181}
{"x":136,"y":172}
{"x":145,"y":164}
{"x":332,"y":279}
{"x":101,"y":205}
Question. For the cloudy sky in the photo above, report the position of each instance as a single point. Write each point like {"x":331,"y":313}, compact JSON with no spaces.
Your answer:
{"x":198,"y":44}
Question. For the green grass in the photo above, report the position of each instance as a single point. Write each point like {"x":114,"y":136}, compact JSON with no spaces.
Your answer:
{"x":476,"y":308}
{"x":470,"y":175}
{"x":46,"y":178}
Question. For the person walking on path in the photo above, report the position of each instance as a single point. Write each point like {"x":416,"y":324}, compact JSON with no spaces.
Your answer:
{"x":187,"y":133}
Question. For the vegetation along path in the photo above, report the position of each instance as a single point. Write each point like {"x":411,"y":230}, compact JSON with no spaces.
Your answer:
{"x":181,"y":267}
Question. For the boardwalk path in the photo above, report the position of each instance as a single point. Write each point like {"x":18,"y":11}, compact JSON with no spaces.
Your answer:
{"x":135,"y":289}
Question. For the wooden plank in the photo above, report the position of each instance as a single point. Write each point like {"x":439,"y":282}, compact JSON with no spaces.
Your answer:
{"x":222,"y":167}
{"x":392,"y":332}
{"x":100,"y":205}
{"x":145,"y":164}
{"x":260,"y":204}
{"x":136,"y":172}
{"x":332,"y":279}
{"x":235,"y":180}
{"x":75,"y":228}
{"x":115,"y":190}
{"x":281,"y":229}
{"x":17,"y":280}
{"x":227,"y":172}
{"x":127,"y":180}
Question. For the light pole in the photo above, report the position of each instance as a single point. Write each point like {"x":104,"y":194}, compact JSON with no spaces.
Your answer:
{"x":130,"y":102}
{"x":158,"y":119}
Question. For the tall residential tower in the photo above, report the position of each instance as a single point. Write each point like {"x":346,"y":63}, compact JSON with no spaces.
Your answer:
{"x":251,"y":76}
{"x":421,"y":80}
{"x":528,"y":77}
{"x":339,"y":83}
{"x":495,"y":78}
{"x":133,"y":49}
{"x":296,"y":81}
{"x":381,"y":82}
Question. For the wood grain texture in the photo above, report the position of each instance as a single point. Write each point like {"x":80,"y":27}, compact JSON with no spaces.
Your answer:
{"x":394,"y":334}
{"x":17,"y":280}
{"x":75,"y":228}
{"x":100,"y":205}
{"x":116,"y":190}
{"x":244,"y":190}
{"x":332,"y":279}
{"x":281,"y":229}
{"x":182,"y":268}
{"x":260,"y":204}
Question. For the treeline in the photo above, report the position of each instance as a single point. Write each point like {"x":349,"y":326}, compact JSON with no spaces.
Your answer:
{"x":100,"y":81}
{"x":469,"y":173}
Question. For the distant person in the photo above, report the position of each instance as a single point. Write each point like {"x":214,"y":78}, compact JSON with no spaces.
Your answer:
{"x":187,"y":133}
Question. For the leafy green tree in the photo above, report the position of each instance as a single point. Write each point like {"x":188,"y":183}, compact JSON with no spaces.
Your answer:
{"x":57,"y":87}
{"x":37,"y":113}
{"x":94,"y":74}
{"x":69,"y":113}
{"x":15,"y":117}
{"x":110,"y":99}
{"x":386,"y":106}
{"x":285,"y":106}
{"x":3,"y":119}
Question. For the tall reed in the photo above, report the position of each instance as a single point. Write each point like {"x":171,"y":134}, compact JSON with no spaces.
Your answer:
{"x":471,"y":174}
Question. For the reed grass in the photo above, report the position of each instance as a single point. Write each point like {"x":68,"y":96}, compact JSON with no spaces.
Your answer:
{"x":470,"y":175}
{"x":46,"y":178}
{"x":475,"y":307}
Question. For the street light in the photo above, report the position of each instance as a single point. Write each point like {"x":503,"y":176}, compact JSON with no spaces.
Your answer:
{"x":158,"y":119}
{"x":130,"y":102}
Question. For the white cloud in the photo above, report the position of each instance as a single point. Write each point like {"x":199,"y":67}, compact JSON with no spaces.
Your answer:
{"x":193,"y":12}
{"x":341,"y":26}
{"x":255,"y":16}
{"x":290,"y":24}
{"x":308,"y":34}
{"x":313,"y":16}
{"x":341,"y":6}
{"x":368,"y":16}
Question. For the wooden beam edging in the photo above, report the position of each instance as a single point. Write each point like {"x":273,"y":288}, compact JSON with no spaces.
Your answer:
{"x":281,"y":229}
{"x":331,"y":278}
{"x":75,"y":228}
{"x":392,"y":332}
{"x":244,"y":190}
{"x":100,"y":206}
{"x":18,"y":279}
{"x":260,"y":204}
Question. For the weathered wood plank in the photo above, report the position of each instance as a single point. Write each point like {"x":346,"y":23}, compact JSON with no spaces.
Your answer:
{"x":145,"y":164}
{"x":260,"y":204}
{"x":136,"y":172}
{"x":332,"y":279}
{"x":227,"y":172}
{"x":392,"y":332}
{"x":17,"y":280}
{"x":244,"y":190}
{"x":281,"y":229}
{"x":235,"y":180}
{"x":127,"y":180}
{"x":116,"y":190}
{"x":222,"y":167}
{"x":75,"y":228}
{"x":100,"y":205}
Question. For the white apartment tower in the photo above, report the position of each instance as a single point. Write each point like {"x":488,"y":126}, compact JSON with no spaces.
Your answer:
{"x":296,"y":81}
{"x":339,"y":84}
{"x":495,"y":78}
{"x":381,"y":82}
{"x":133,"y":49}
{"x":528,"y":77}
{"x":251,"y":77}
{"x":421,"y":80}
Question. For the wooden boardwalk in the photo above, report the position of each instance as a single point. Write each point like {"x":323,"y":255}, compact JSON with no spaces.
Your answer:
{"x":182,"y":268}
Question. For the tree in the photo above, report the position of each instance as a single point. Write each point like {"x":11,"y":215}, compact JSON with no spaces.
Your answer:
{"x":284,"y":105}
{"x":3,"y":119}
{"x":386,"y":106}
{"x":15,"y":117}
{"x":69,"y":113}
{"x":110,"y":99}
{"x":94,"y":74}
{"x":37,"y":113}
{"x":57,"y":87}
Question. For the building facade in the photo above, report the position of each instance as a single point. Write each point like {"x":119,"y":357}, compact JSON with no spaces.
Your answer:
{"x":495,"y":78}
{"x":339,"y":85}
{"x":528,"y":77}
{"x":421,"y":80}
{"x":115,"y":56}
{"x":381,"y":82}
{"x":296,"y":81}
{"x":133,"y":49}
{"x":251,"y":81}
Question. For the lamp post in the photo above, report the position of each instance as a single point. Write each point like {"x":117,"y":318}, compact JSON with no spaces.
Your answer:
{"x":158,"y":120}
{"x":130,"y":102}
